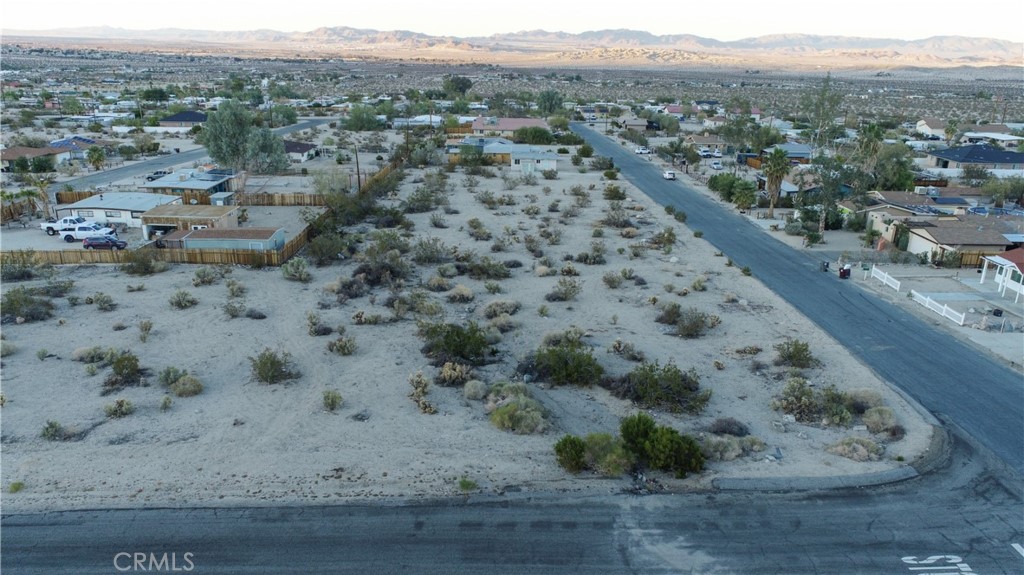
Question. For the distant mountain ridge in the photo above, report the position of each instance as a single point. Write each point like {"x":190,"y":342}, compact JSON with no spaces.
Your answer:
{"x":600,"y":45}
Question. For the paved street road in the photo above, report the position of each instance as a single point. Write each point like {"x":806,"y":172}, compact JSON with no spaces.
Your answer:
{"x":946,"y":376}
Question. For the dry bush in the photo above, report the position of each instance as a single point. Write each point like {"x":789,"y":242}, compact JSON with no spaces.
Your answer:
{"x":342,"y":345}
{"x":721,"y":448}
{"x":729,"y":426}
{"x":438,"y":284}
{"x":186,"y":386}
{"x":859,"y":401}
{"x":453,"y":374}
{"x":460,"y":294}
{"x":521,"y":415}
{"x":474,"y":389}
{"x":626,"y":350}
{"x":500,"y":307}
{"x":629,"y":233}
{"x":420,"y":386}
{"x":857,"y":449}
{"x":879,"y":419}
{"x":504,"y":323}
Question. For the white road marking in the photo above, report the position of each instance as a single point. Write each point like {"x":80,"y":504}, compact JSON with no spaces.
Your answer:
{"x":1017,"y":547}
{"x":934,"y":567}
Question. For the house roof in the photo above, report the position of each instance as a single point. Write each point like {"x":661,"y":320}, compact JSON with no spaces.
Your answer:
{"x":792,"y":149}
{"x":25,"y":152}
{"x":131,"y":201}
{"x":979,"y":154}
{"x":291,"y":147}
{"x":186,"y":116}
{"x":491,"y":123}
{"x":223,"y":234}
{"x":702,"y":140}
{"x":189,"y":180}
{"x":934,"y":123}
{"x":185,"y":211}
{"x":963,"y":232}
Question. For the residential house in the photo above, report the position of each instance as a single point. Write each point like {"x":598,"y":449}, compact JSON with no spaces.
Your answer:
{"x":981,"y":155}
{"x":506,"y":127}
{"x":78,"y":145}
{"x":10,"y":155}
{"x":1009,"y":271}
{"x":299,"y":152}
{"x":960,"y":234}
{"x":704,"y":105}
{"x":197,"y":185}
{"x":1008,"y":141}
{"x":707,"y":142}
{"x":797,"y":153}
{"x":186,"y":119}
{"x":110,"y":208}
{"x":168,"y":218}
{"x":676,"y":110}
{"x":714,"y":122}
{"x":257,"y":239}
{"x":635,"y":124}
{"x":533,"y":161}
{"x":932,"y":127}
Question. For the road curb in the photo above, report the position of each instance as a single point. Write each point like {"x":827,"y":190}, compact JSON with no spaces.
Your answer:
{"x":814,"y":483}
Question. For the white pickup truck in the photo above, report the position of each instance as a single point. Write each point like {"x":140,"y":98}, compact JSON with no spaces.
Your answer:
{"x":52,"y":226}
{"x":82,"y":231}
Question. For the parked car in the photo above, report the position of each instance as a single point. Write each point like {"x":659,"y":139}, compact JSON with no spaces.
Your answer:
{"x":716,"y":165}
{"x":705,"y":153}
{"x":80,"y":232}
{"x":157,"y":175}
{"x":668,"y":175}
{"x":642,"y":150}
{"x":107,"y":242}
{"x":716,"y":154}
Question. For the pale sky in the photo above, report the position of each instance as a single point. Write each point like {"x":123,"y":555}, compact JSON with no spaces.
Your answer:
{"x":718,"y":19}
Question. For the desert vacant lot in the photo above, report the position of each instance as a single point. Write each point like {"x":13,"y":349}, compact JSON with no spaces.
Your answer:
{"x":241,"y":441}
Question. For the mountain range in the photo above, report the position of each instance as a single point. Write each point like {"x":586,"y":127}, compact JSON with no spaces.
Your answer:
{"x":539,"y":47}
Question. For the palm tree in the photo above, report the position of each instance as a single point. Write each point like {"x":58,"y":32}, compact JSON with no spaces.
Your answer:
{"x":41,"y":182}
{"x":952,"y":127}
{"x":95,"y":156}
{"x":776,"y":166}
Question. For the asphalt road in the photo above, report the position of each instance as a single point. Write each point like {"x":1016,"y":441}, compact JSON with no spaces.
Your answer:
{"x":947,"y":377}
{"x":966,"y":516}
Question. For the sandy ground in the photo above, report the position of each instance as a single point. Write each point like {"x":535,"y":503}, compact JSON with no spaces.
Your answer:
{"x":242,"y":442}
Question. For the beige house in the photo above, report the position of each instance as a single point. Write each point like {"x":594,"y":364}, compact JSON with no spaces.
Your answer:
{"x":961,"y":234}
{"x":171,"y":217}
{"x":505,"y":127}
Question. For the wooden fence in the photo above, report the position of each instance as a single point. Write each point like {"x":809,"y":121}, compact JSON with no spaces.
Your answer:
{"x":293,"y":199}
{"x":72,"y":196}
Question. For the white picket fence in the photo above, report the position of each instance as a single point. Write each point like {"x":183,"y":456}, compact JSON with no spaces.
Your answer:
{"x":885,"y":278}
{"x":941,"y":309}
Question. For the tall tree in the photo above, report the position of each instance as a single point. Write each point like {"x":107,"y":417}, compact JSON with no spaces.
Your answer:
{"x":41,"y":188}
{"x":362,"y":119}
{"x":226,"y":134}
{"x":821,"y":107}
{"x":828,"y":175}
{"x":549,"y":102}
{"x":776,"y":167}
{"x":456,"y":86}
{"x":894,"y":168}
{"x":952,"y":127}
{"x":264,"y":153}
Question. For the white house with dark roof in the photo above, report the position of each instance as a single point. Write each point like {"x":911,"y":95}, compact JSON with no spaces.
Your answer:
{"x":982,"y":155}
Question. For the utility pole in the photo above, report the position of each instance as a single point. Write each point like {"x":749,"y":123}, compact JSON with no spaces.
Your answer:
{"x":359,"y":178}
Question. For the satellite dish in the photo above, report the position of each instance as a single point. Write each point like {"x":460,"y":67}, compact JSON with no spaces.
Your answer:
{"x":193,"y":201}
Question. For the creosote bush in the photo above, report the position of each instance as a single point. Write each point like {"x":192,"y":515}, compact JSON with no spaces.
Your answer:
{"x":651,"y":385}
{"x":857,"y":449}
{"x":296,"y":270}
{"x":570,"y":451}
{"x":331,"y":399}
{"x":568,"y":363}
{"x":186,"y":386}
{"x":272,"y":367}
{"x":446,"y":342}
{"x":183,"y":300}
{"x":729,"y":426}
{"x":343,"y":345}
{"x":474,"y":389}
{"x":519,"y":414}
{"x":120,"y":408}
{"x":795,"y":353}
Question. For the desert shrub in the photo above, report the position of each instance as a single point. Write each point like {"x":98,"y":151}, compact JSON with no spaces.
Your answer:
{"x":549,"y":174}
{"x":612,"y":279}
{"x":453,"y":374}
{"x":328,"y":247}
{"x":794,"y":229}
{"x":430,"y":251}
{"x":667,"y":387}
{"x":141,"y":263}
{"x":570,"y":452}
{"x":95,"y":354}
{"x":614,"y":192}
{"x":856,"y":448}
{"x":474,"y":389}
{"x":272,"y":367}
{"x":833,"y":405}
{"x":234,"y":309}
{"x":729,"y":426}
{"x":569,"y":363}
{"x":670,"y":313}
{"x":798,"y":400}
{"x":125,"y":372}
{"x":569,"y":270}
{"x":460,"y":294}
{"x":53,"y":288}
{"x":331,"y":399}
{"x":437,"y":284}
{"x":183,"y":299}
{"x":18,"y":302}
{"x":521,"y":415}
{"x":635,"y":431}
{"x":169,"y":375}
{"x":315,"y":325}
{"x":795,"y":353}
{"x":344,"y":345}
{"x":446,"y":342}
{"x":166,"y":403}
{"x":721,"y":448}
{"x":692,"y":323}
{"x":54,"y":431}
{"x":381,"y":267}
{"x":235,"y":288}
{"x":487,"y":269}
{"x":699,"y":284}
{"x":103,"y":302}
{"x":205,"y":277}
{"x":859,"y":401}
{"x":500,"y":307}
{"x":879,"y":419}
{"x":897,"y":432}
{"x":186,"y":386}
{"x":296,"y":270}
{"x":565,"y":290}
{"x":617,"y":217}
{"x":606,"y":454}
{"x":626,"y":350}
{"x":504,"y":323}
{"x":255,"y":314}
{"x":120,"y":408}
{"x":571,"y":336}
{"x":19,"y":265}
{"x":668,"y":450}
{"x":749,"y":350}
{"x":145,"y":327}
{"x":7,"y":348}
{"x":420,"y":386}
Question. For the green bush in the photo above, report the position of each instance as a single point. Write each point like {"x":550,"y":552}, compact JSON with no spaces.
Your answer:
{"x":272,"y":367}
{"x":120,"y":408}
{"x":332,"y":400}
{"x":570,"y":452}
{"x":667,"y":387}
{"x":125,"y":372}
{"x":566,"y":289}
{"x":169,"y":375}
{"x":636,"y":430}
{"x":795,"y":353}
{"x":329,"y":247}
{"x":607,"y":454}
{"x":54,"y":431}
{"x":569,"y":363}
{"x":183,"y":299}
{"x":141,"y":263}
{"x":18,"y":302}
{"x":454,"y":343}
{"x":798,"y":400}
{"x":668,"y":450}
{"x":18,"y":265}
{"x":103,"y":302}
{"x":521,"y":415}
{"x":296,"y":270}
{"x":186,"y":386}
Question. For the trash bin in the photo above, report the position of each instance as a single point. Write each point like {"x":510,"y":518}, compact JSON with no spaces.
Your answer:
{"x":824,"y":266}
{"x":997,"y":312}
{"x":844,"y":273}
